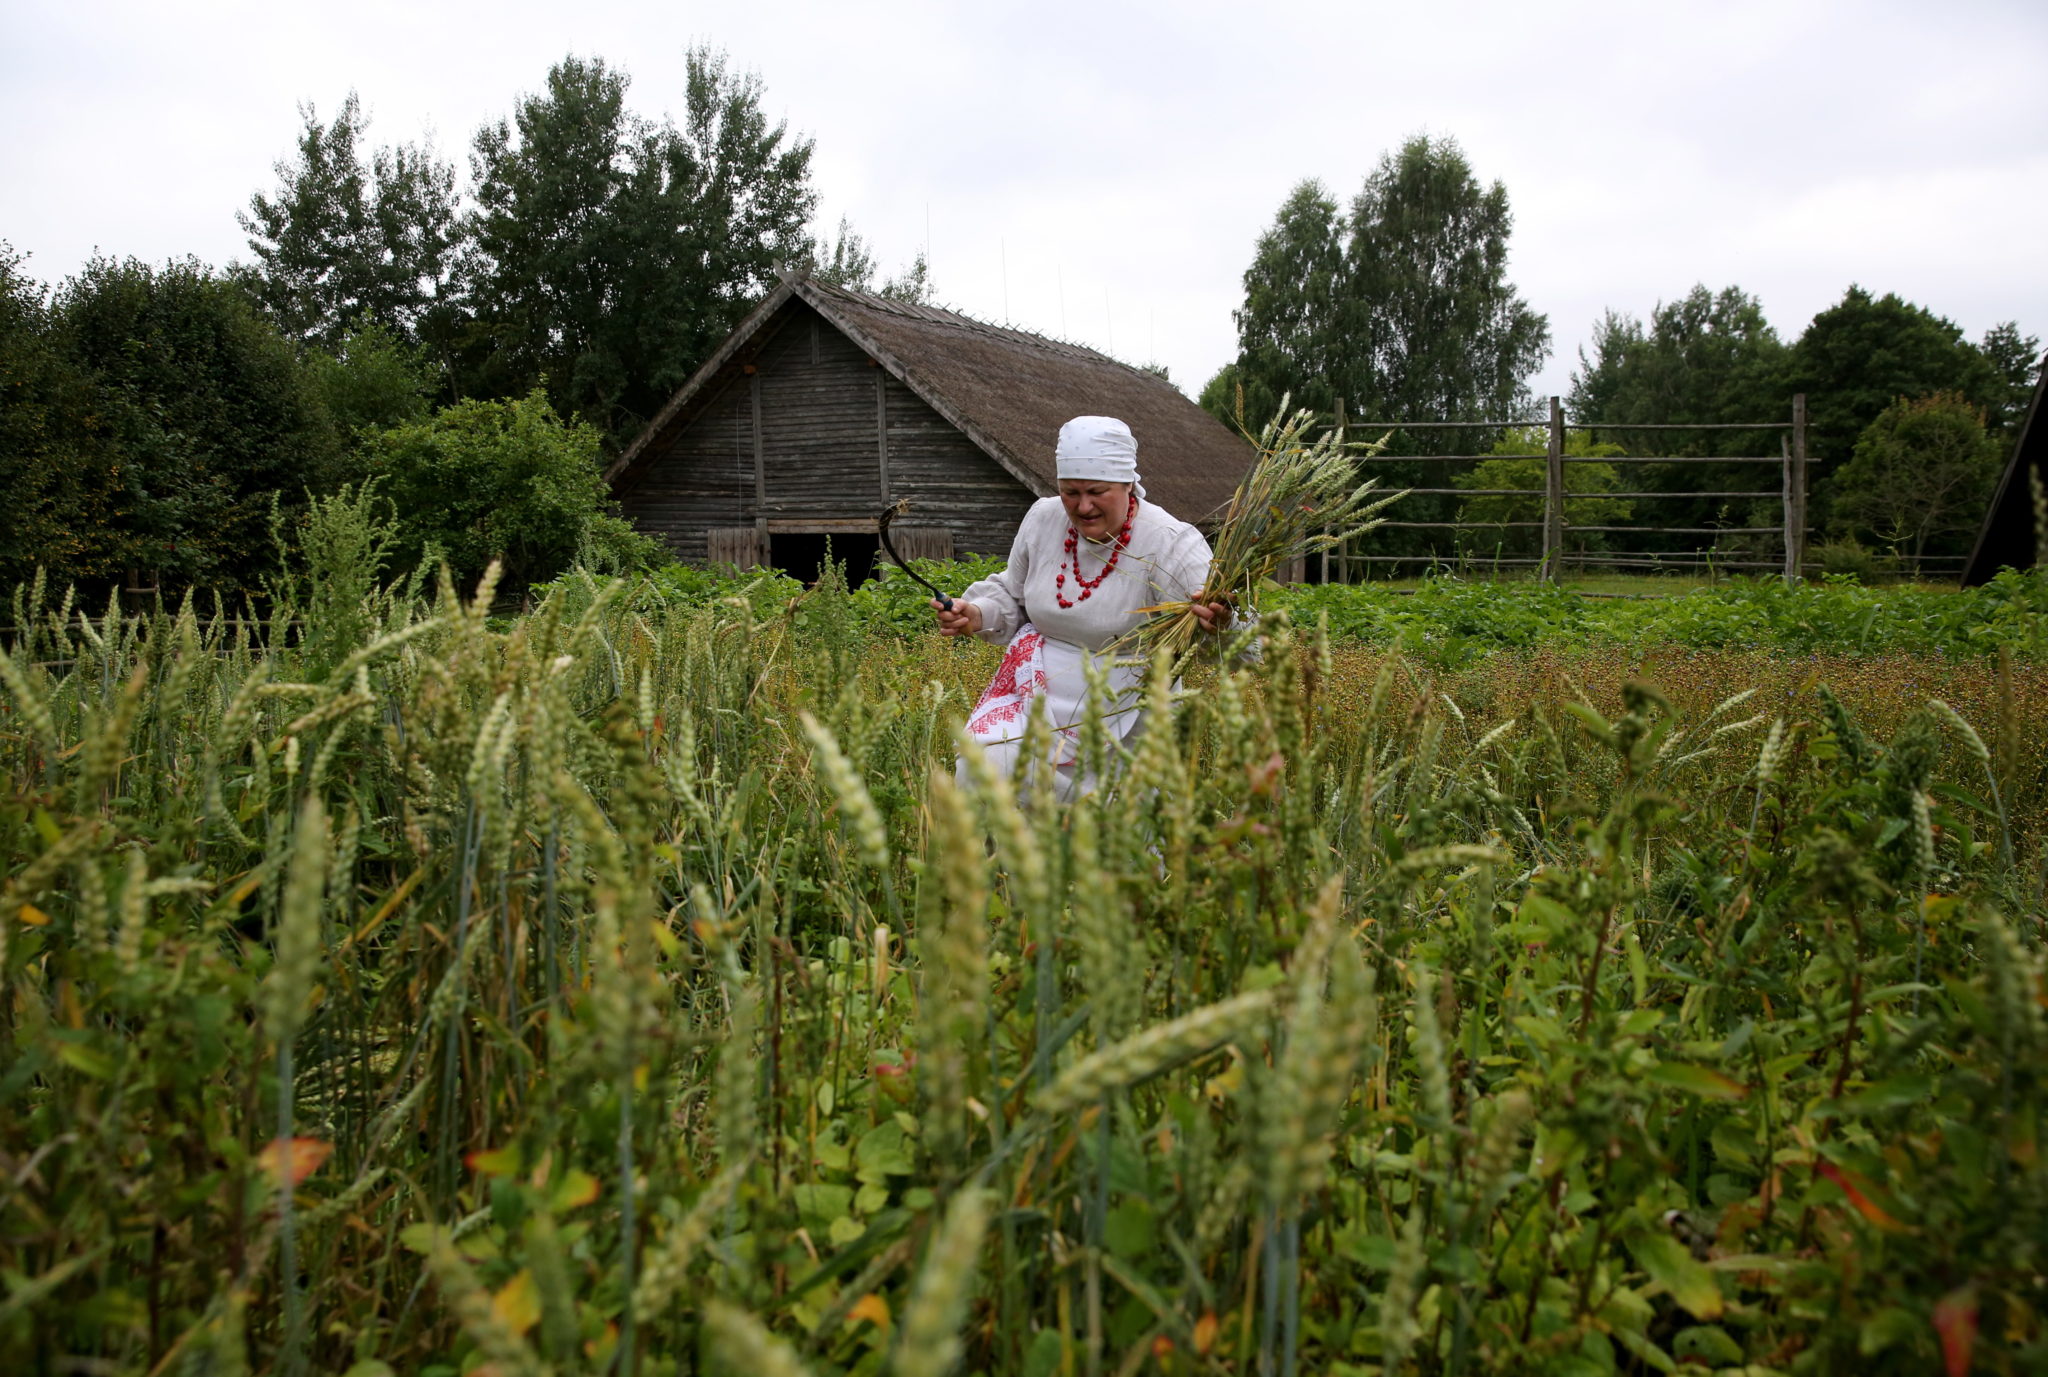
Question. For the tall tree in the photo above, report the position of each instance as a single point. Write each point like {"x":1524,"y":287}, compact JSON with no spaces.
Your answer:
{"x":1401,"y":306}
{"x":613,"y":253}
{"x":1707,"y":357}
{"x":1286,"y":329}
{"x":1860,"y":355}
{"x":1430,"y":324}
{"x":2015,"y":361}
{"x":348,"y":243}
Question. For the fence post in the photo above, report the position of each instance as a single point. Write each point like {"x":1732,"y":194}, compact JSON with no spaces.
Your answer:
{"x":1343,"y":570}
{"x":1795,"y":495}
{"x":1553,"y":496}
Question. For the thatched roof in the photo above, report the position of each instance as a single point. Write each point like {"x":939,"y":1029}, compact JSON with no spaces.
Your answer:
{"x":1007,"y":390}
{"x":2008,"y":536}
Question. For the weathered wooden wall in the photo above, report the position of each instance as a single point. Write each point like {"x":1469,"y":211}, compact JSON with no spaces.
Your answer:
{"x":816,"y":437}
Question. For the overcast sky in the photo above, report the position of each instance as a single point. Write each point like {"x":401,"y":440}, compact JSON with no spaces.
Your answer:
{"x":1102,"y":171}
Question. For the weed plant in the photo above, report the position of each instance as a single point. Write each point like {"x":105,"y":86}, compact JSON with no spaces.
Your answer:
{"x":628,"y":987}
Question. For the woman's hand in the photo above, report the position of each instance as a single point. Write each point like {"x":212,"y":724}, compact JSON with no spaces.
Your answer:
{"x":963,"y":620}
{"x":1214,"y":616}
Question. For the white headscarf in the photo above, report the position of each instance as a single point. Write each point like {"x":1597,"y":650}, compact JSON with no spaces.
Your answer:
{"x":1098,"y":449}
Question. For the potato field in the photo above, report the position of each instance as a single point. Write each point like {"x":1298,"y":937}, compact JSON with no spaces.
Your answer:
{"x":627,"y":987}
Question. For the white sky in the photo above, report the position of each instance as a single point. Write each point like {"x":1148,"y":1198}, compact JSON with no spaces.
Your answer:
{"x":1102,"y":170}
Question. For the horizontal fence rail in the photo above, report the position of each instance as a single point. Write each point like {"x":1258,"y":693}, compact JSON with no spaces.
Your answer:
{"x":1788,"y":533}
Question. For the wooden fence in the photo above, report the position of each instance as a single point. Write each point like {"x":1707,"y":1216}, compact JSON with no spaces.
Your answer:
{"x":1788,"y":534}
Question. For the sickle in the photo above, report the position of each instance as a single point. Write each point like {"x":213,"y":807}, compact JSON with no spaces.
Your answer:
{"x":889,"y":514}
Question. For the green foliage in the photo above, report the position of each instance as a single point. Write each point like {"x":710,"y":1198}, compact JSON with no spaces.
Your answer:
{"x":1401,"y":306}
{"x":1862,"y":354}
{"x":617,"y":984}
{"x":1581,"y":482}
{"x":1707,"y":357}
{"x":613,"y":253}
{"x":1452,"y":621}
{"x":372,"y":380}
{"x":2015,"y":361}
{"x":208,"y":411}
{"x":1921,"y":476}
{"x":58,"y":465}
{"x":348,"y":244}
{"x":508,"y":481}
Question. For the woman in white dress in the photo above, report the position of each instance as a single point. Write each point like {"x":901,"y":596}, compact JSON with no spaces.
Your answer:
{"x":1082,"y":565}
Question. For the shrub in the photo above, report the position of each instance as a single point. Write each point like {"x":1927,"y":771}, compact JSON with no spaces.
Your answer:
{"x":503,"y":480}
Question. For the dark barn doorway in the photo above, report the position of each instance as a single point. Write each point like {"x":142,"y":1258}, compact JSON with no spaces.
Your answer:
{"x":802,"y":554}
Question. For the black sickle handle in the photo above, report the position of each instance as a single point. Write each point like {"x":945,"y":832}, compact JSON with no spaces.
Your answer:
{"x":888,"y":515}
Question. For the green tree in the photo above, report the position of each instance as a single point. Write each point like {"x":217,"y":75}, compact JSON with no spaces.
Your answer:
{"x":346,"y":243}
{"x":371,"y":380}
{"x":1287,"y":327}
{"x":1429,"y":323}
{"x":851,"y":263}
{"x":2015,"y":361}
{"x":1920,"y":476}
{"x":1516,"y":481}
{"x":1401,"y":306}
{"x":613,"y":253}
{"x":58,"y":469}
{"x":1708,"y":357}
{"x":1860,"y":355}
{"x":209,"y":412}
{"x":502,"y":480}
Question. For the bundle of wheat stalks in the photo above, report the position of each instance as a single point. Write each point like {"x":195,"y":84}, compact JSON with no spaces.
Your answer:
{"x":1300,"y":498}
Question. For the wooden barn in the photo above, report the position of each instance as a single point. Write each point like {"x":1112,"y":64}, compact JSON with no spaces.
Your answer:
{"x":826,"y":405}
{"x":2008,"y":535}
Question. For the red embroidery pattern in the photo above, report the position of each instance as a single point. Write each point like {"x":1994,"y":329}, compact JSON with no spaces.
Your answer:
{"x":1006,"y":698}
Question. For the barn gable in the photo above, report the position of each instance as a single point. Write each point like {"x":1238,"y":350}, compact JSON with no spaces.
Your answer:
{"x":826,"y":405}
{"x":2008,"y":535}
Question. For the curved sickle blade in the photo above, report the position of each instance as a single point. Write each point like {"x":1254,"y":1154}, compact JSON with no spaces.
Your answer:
{"x":889,"y":514}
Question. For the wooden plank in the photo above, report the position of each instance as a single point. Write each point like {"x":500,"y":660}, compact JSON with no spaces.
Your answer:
{"x":821,"y":525}
{"x":882,"y":431}
{"x":739,"y":546}
{"x":922,"y":542}
{"x":760,"y":452}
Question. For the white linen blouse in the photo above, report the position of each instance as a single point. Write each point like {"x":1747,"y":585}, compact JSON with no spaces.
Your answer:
{"x":1166,"y":561}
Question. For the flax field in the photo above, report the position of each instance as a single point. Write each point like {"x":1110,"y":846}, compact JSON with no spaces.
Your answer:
{"x":629,"y":987}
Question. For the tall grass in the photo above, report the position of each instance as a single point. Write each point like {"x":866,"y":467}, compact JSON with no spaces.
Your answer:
{"x":627,"y":987}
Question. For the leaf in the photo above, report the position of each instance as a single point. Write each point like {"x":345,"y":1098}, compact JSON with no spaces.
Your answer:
{"x":1697,"y":1080}
{"x":1673,"y":1267}
{"x":1955,"y":1319}
{"x":304,"y":1156}
{"x":872,"y":1308}
{"x":518,"y":1303}
{"x":576,"y":1188}
{"x":502,"y":1161}
{"x":1129,"y":1230}
{"x":34,"y":916}
{"x":1707,"y":1343}
{"x":89,"y":1060}
{"x":1854,"y":1187}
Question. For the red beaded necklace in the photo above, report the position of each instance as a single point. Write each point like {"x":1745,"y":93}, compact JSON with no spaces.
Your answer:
{"x":1073,"y":560}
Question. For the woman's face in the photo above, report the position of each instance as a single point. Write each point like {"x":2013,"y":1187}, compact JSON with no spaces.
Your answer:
{"x":1094,"y":508}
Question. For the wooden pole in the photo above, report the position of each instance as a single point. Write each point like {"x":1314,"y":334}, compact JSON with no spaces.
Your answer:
{"x":1796,"y":546}
{"x":1343,"y":571}
{"x":1553,"y":495}
{"x":1790,"y":518}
